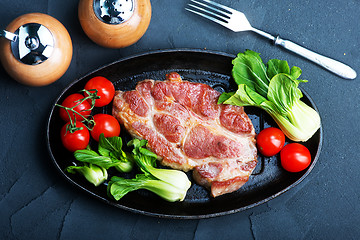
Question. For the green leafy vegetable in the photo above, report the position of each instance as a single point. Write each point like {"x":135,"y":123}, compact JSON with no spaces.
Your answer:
{"x":112,"y":147}
{"x":94,"y":174}
{"x":171,"y":185}
{"x":111,"y":155}
{"x":273,"y":88}
{"x":250,"y":70}
{"x":119,"y":187}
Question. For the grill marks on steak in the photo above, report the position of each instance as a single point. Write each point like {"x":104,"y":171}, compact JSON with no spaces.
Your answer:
{"x":186,"y":127}
{"x":202,"y":143}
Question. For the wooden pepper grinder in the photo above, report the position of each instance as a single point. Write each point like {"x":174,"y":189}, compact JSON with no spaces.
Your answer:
{"x":37,"y":50}
{"x":114,"y":23}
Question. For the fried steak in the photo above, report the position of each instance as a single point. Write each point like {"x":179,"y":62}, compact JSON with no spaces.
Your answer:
{"x":188,"y":130}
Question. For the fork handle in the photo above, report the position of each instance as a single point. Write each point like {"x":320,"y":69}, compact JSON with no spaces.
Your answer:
{"x":332,"y":65}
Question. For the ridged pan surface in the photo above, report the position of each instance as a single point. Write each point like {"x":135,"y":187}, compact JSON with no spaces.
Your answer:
{"x":213,"y":68}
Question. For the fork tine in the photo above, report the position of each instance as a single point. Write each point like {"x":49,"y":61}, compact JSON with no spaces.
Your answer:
{"x":208,"y":17}
{"x":227,"y":14}
{"x":230,"y":10}
{"x":208,"y":12}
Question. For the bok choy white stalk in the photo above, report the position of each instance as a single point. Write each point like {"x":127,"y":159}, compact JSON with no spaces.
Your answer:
{"x":273,"y":88}
{"x":94,"y":174}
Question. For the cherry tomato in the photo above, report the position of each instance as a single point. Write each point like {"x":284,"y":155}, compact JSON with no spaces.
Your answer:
{"x":106,"y":124}
{"x":70,"y":102}
{"x":295,"y":157}
{"x":77,"y":140}
{"x":270,"y":141}
{"x":105,"y":88}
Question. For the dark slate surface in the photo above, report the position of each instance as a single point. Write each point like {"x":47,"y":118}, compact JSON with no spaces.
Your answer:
{"x":36,"y":202}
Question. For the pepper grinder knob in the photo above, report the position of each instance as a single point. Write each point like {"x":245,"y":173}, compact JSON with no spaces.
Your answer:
{"x":114,"y":23}
{"x":39,"y":51}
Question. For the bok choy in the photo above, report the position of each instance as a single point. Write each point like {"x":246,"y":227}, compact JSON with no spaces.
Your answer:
{"x":94,"y":174}
{"x":169,"y":184}
{"x":111,"y":155}
{"x":94,"y":166}
{"x":274,"y":88}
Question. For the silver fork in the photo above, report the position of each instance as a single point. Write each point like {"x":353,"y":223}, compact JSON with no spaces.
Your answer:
{"x":237,"y":22}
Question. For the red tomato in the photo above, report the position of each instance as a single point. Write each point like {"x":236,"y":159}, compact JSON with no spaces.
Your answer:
{"x":270,"y":141}
{"x":106,"y":90}
{"x":295,"y":157}
{"x":106,"y":124}
{"x":77,"y":140}
{"x":70,"y":102}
